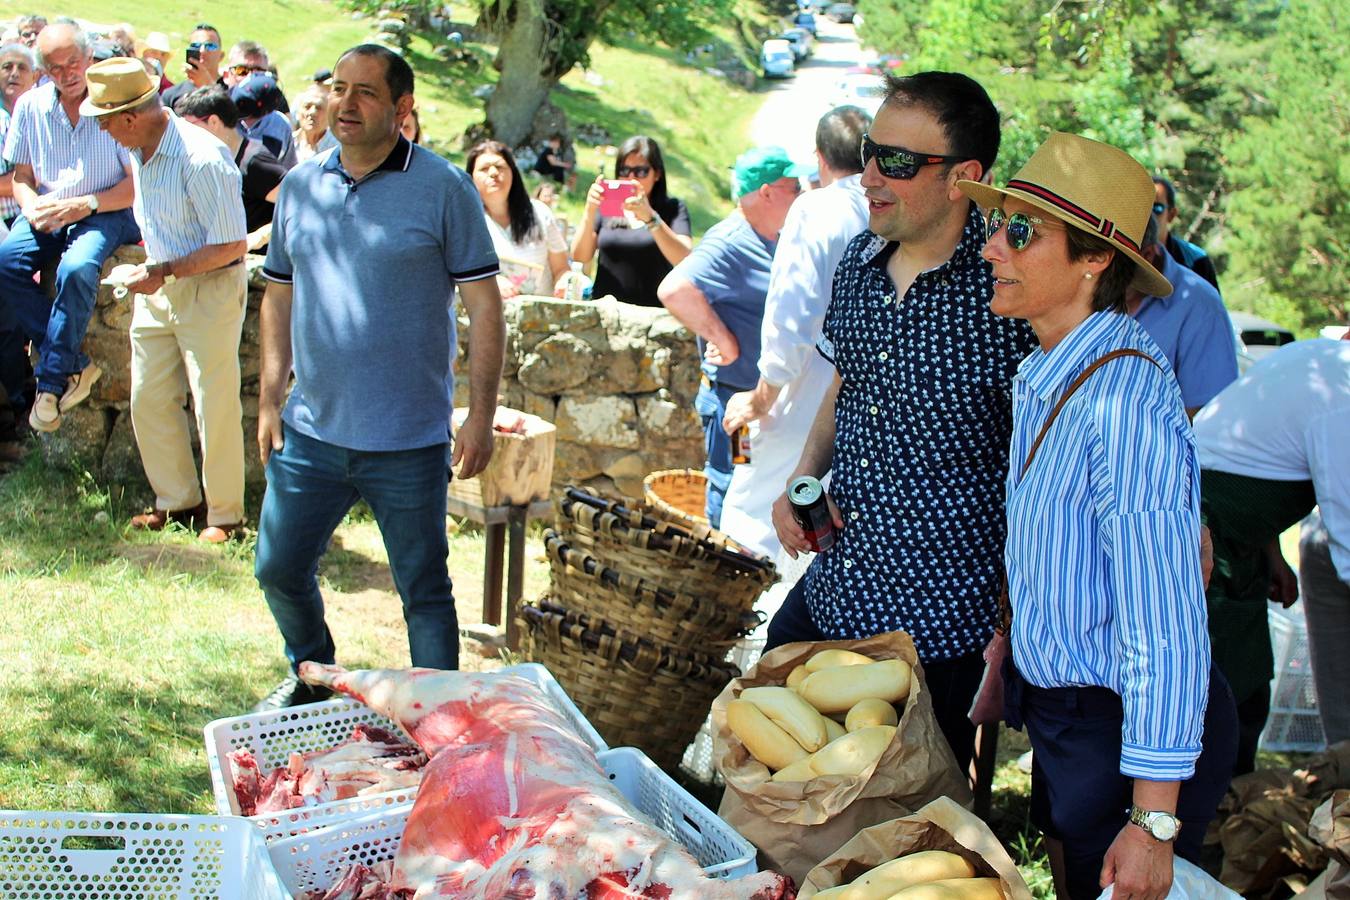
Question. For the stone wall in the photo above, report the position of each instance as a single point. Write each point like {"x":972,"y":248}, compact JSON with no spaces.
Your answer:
{"x":618,"y":380}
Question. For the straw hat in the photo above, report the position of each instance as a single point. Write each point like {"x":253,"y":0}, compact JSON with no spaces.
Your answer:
{"x":1091,"y":186}
{"x":116,"y":85}
{"x":159,"y":42}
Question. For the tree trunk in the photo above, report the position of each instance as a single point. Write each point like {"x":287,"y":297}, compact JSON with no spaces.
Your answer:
{"x":526,"y":65}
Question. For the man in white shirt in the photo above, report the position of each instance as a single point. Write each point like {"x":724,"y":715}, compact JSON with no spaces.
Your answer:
{"x":792,"y":375}
{"x":1272,"y":444}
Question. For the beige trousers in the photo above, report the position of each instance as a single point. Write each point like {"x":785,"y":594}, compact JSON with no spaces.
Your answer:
{"x":185,"y":337}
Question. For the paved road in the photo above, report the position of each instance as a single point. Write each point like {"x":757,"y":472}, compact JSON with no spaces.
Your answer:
{"x":789,"y":114}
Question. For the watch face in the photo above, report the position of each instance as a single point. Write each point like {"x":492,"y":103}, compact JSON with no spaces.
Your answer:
{"x":1164,"y":828}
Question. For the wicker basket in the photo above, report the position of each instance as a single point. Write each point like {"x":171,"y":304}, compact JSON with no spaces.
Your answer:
{"x":583,"y":584}
{"x":701,"y":562}
{"x":635,"y":692}
{"x":680,"y":495}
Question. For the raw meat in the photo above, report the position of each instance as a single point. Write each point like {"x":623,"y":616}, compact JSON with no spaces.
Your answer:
{"x":371,"y":761}
{"x":362,"y":883}
{"x":514,"y":805}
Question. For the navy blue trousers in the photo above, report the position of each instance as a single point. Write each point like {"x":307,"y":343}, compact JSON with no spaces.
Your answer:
{"x":1078,"y":795}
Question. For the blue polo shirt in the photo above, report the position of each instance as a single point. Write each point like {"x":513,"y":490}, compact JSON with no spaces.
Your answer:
{"x":1192,"y":327}
{"x":374,"y":265}
{"x":731,"y":267}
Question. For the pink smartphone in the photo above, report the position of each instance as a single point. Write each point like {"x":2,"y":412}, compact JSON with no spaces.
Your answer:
{"x":611,"y":204}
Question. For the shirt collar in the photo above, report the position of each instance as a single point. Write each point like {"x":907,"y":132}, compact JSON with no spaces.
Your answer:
{"x":398,"y":159}
{"x":968,"y":248}
{"x":170,"y":144}
{"x":1169,"y":271}
{"x":1048,"y":373}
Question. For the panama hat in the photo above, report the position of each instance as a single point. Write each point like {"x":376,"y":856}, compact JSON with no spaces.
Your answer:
{"x":1091,"y":186}
{"x":116,"y":85}
{"x":159,"y":42}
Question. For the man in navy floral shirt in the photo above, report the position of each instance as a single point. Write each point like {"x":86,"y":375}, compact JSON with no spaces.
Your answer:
{"x":914,"y":430}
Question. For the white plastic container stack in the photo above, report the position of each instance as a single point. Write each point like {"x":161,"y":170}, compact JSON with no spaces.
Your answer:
{"x":272,"y":736}
{"x":91,"y":856}
{"x":315,"y":860}
{"x":1294,"y":724}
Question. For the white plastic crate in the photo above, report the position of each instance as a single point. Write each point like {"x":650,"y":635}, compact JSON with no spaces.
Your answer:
{"x":90,"y":856}
{"x":315,"y":860}
{"x":273,"y":736}
{"x":1294,"y":725}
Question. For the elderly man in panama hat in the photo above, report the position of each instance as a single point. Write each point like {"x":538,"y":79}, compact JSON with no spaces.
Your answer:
{"x":1133,"y":728}
{"x":73,"y":187}
{"x":189,"y":301}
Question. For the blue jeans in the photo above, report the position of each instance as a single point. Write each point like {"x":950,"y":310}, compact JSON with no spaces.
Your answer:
{"x":310,"y":486}
{"x":711,"y":406}
{"x":57,"y":325}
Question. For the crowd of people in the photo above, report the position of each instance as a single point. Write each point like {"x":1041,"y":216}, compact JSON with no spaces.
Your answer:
{"x":1024,"y":399}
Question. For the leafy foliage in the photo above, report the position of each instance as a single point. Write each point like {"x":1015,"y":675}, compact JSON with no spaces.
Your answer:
{"x":1225,"y":97}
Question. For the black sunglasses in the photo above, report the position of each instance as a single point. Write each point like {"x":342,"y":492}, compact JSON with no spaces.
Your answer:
{"x":1021,"y":227}
{"x":633,"y":171}
{"x":1159,"y":208}
{"x":897,"y":162}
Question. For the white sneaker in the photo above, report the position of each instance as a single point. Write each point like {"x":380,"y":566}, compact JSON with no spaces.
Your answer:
{"x":46,"y":413}
{"x":79,"y":385}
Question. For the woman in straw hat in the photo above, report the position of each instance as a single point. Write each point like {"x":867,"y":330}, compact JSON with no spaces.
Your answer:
{"x":1133,"y":730}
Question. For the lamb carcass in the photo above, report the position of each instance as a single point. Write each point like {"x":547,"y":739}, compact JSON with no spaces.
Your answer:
{"x":514,"y":805}
{"x":372,"y":760}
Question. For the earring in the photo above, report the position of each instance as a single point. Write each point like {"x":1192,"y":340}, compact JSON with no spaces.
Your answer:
{"x":1087,"y":276}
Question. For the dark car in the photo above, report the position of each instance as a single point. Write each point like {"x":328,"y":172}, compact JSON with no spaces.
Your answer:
{"x":805,"y":20}
{"x":842,"y":13}
{"x":800,"y":39}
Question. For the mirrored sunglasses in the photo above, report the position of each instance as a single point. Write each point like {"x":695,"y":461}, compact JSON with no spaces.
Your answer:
{"x":209,"y":46}
{"x":1159,"y":208}
{"x":897,"y":162}
{"x":1021,"y":227}
{"x":633,"y":171}
{"x":241,"y":70}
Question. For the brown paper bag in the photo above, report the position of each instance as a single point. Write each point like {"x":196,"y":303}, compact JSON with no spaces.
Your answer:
{"x":794,"y":825}
{"x":941,"y":825}
{"x":1330,"y":828}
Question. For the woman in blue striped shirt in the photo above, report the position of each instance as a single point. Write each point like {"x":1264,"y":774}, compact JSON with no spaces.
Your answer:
{"x":1133,"y":732}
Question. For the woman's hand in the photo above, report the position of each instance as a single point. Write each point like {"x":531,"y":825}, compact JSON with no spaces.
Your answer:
{"x":638,"y":205}
{"x":507,"y":287}
{"x":593,"y":197}
{"x":1138,"y":865}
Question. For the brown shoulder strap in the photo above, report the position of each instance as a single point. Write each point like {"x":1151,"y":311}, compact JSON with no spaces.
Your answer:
{"x":1004,"y":605}
{"x":1069,"y":391}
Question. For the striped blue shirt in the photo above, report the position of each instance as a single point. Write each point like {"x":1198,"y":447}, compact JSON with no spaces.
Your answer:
{"x":188,"y":193}
{"x":9,"y":207}
{"x":67,"y":161}
{"x":1103,"y":566}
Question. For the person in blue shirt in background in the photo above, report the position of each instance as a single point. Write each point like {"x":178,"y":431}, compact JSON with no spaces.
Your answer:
{"x":718,"y":293}
{"x":1110,"y":671}
{"x":1181,"y":250}
{"x":1190,"y":325}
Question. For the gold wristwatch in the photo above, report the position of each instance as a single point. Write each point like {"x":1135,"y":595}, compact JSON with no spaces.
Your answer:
{"x":1163,"y":826}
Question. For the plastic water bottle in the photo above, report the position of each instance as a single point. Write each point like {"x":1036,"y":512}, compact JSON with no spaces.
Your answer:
{"x":578,"y":285}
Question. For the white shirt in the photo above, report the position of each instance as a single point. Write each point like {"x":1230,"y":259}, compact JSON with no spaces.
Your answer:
{"x":815,"y":235}
{"x":526,"y":263}
{"x":1288,"y":419}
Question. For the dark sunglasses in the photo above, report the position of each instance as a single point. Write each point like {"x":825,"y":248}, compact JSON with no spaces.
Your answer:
{"x":1021,"y":227}
{"x":242,"y":70}
{"x":633,"y":171}
{"x":209,"y":46}
{"x":897,"y":162}
{"x":1159,"y":208}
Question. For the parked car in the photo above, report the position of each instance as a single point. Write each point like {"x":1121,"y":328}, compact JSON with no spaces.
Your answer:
{"x":805,"y":20}
{"x":1257,"y":338}
{"x":800,"y":39}
{"x":776,"y":59}
{"x":842,"y":13}
{"x":862,"y":89}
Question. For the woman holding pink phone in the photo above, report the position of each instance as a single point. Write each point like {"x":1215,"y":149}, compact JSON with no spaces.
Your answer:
{"x":640,"y":230}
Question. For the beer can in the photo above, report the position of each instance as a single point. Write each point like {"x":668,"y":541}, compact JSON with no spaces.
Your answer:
{"x":812,"y":512}
{"x":740,"y":449}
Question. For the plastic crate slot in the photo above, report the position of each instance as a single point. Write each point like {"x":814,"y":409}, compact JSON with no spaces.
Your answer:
{"x":93,"y":842}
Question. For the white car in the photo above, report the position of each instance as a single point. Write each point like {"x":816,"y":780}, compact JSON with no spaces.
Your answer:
{"x":860,"y":89}
{"x":1257,"y":338}
{"x":777,"y":59}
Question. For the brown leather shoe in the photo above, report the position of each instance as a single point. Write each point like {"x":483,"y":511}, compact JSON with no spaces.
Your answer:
{"x":219,"y":534}
{"x":156,"y":520}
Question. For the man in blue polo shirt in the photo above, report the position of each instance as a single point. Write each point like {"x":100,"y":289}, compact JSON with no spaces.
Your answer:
{"x":369,"y":241}
{"x":1191,"y":326}
{"x":718,"y":293}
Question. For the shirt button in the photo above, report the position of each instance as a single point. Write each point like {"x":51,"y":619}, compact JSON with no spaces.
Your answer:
{"x":863,"y":463}
{"x":853,"y":514}
{"x":882,"y":355}
{"x":873,"y":410}
{"x":848,"y":564}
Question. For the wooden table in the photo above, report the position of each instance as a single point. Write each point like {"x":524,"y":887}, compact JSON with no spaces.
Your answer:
{"x":501,"y":523}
